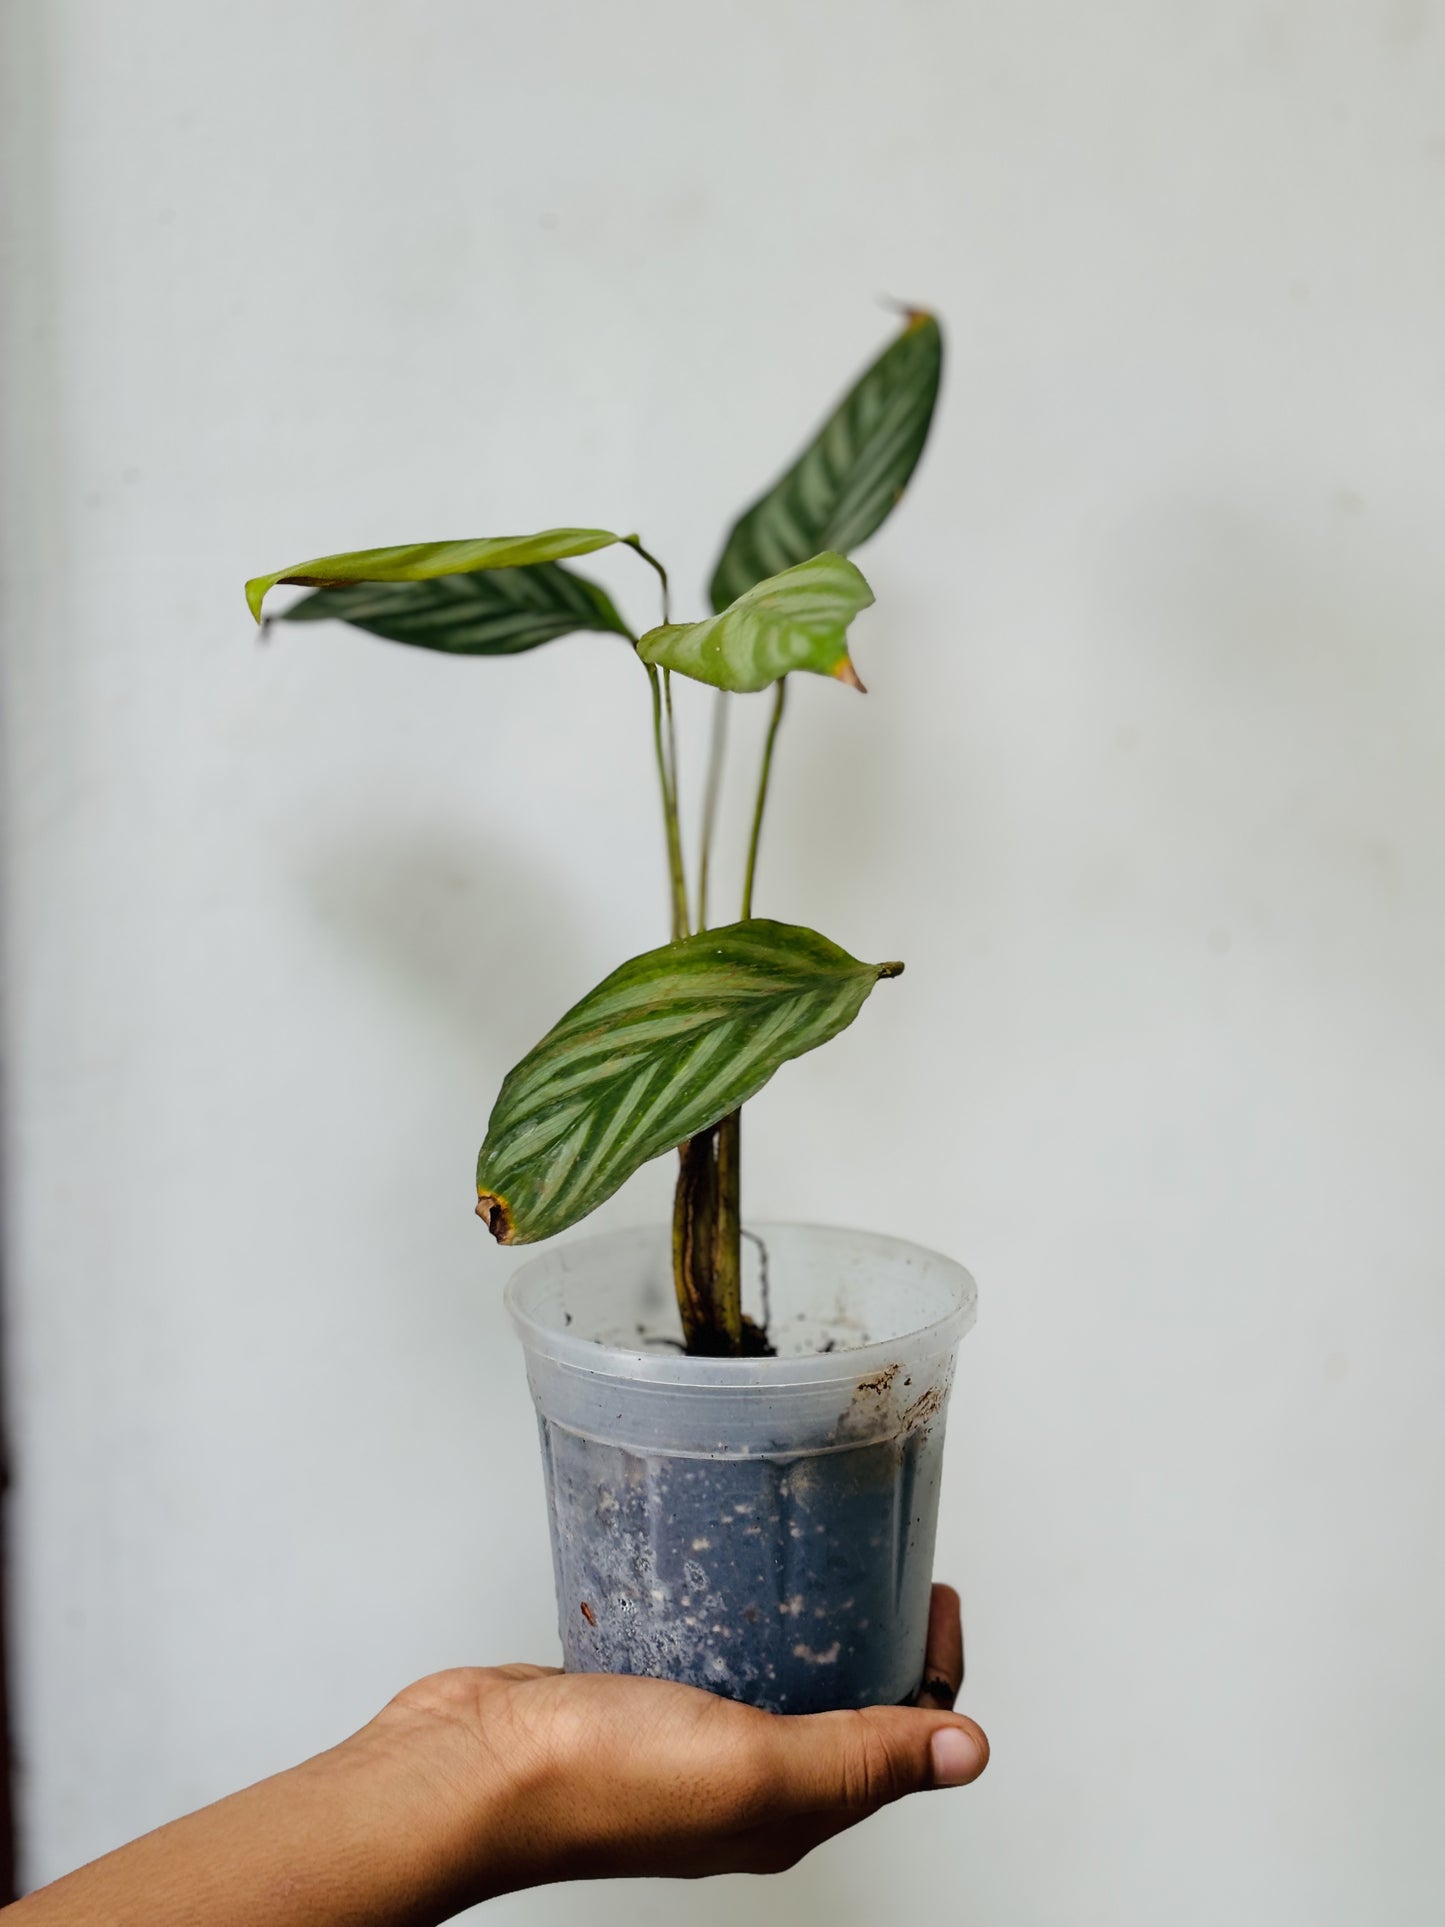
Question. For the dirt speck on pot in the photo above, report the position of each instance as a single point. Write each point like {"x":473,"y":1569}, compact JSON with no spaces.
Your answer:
{"x":878,"y":1383}
{"x":927,"y":1407}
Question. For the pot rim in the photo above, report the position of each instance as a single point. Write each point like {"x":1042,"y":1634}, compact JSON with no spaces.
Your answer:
{"x":675,"y":1370}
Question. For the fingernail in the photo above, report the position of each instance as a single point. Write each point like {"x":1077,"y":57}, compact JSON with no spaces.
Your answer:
{"x":956,"y":1755}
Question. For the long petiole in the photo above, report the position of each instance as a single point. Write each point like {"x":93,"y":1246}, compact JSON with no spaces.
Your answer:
{"x":667,"y":781}
{"x":705,"y":1242}
{"x":716,"y":755}
{"x":763,"y":778}
{"x":666,"y":748}
{"x":728,"y":1237}
{"x":647,"y":556}
{"x":672,"y":778}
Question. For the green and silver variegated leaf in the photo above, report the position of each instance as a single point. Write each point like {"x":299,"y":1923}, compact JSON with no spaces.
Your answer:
{"x":850,"y":475}
{"x":660,"y":1050}
{"x":423,"y":561}
{"x":796,"y":620}
{"x":497,"y":612}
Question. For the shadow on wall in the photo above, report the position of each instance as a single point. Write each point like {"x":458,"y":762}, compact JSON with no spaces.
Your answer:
{"x":1297,"y":671}
{"x":874,"y":794}
{"x":419,"y":902}
{"x":1311,"y":611}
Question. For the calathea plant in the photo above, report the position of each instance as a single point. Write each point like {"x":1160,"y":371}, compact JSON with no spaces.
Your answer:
{"x":663,"y":1054}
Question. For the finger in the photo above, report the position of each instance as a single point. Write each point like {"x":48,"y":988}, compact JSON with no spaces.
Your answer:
{"x":858,"y":1761}
{"x":943,"y":1662}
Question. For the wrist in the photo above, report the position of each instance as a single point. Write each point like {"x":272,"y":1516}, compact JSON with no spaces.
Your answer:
{"x":466,"y":1797}
{"x":405,"y":1824}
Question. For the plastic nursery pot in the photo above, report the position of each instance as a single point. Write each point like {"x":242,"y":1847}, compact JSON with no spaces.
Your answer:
{"x":760,"y":1527}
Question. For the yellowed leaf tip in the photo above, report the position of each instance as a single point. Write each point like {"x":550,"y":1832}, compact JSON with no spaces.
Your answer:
{"x":913,"y":318}
{"x":495,"y":1214}
{"x":889,"y":970}
{"x":256,"y":593}
{"x":845,"y":672}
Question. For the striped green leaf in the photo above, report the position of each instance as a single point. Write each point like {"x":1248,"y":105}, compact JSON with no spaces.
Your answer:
{"x":497,"y":612}
{"x":850,"y":475}
{"x":423,"y":561}
{"x":660,"y":1050}
{"x":796,"y":620}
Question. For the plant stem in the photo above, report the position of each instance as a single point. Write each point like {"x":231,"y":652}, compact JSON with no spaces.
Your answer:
{"x":725,"y":1271}
{"x":706,"y":1233}
{"x":635,"y":545}
{"x":694,"y":1216}
{"x":666,"y":761}
{"x":727,"y":1265}
{"x":763,"y":779}
{"x":706,"y":1245}
{"x":716,"y":754}
{"x":667,"y":779}
{"x":675,"y":819}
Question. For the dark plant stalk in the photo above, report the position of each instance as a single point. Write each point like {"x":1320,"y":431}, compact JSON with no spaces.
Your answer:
{"x":727,"y":1271}
{"x":694,"y":1212}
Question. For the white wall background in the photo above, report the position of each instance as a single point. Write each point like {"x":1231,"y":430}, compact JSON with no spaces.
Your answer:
{"x":1149,"y":793}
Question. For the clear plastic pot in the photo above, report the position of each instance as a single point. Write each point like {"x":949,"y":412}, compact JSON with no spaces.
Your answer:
{"x":760,"y":1527}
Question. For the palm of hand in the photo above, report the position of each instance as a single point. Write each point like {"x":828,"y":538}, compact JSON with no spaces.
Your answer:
{"x":597,"y":1774}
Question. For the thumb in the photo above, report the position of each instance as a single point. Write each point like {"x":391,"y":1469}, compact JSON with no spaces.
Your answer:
{"x":861,"y":1760}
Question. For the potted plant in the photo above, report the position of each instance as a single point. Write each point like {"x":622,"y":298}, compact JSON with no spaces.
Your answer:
{"x":742,"y":1428}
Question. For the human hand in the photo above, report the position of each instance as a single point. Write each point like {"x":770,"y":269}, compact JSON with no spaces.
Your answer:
{"x":564,"y":1776}
{"x":476,"y":1782}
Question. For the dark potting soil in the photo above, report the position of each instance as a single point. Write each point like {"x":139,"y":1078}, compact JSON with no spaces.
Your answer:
{"x":797,"y":1584}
